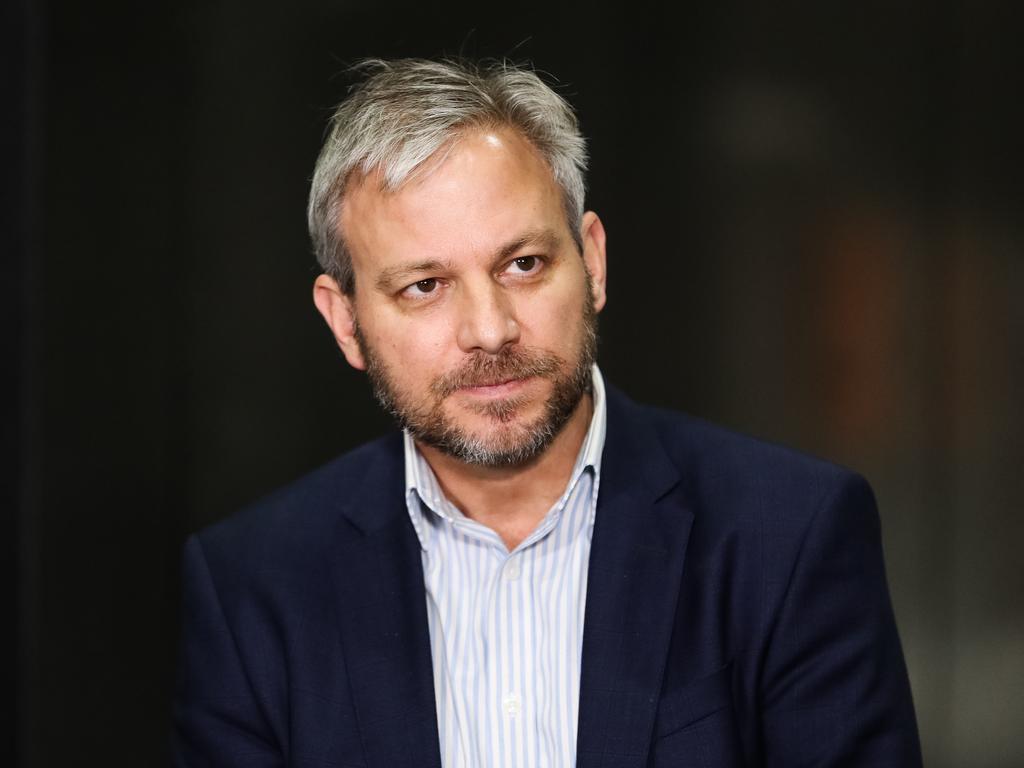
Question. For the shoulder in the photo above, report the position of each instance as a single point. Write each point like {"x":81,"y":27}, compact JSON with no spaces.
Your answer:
{"x":709,"y":454}
{"x":297,"y":521}
{"x":735,"y":480}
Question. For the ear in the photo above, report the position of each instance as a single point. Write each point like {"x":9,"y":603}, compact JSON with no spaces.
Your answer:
{"x":339,"y":312}
{"x":592,"y":232}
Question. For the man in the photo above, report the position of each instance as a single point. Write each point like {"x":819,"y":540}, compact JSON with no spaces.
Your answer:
{"x":536,"y":571}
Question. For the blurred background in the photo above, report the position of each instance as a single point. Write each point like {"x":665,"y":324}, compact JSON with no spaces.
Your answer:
{"x":815,"y":227}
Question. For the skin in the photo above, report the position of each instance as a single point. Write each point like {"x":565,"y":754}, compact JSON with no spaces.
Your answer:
{"x":470,"y":257}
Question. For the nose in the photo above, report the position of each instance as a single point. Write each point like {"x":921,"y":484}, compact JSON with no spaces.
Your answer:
{"x":486,"y":320}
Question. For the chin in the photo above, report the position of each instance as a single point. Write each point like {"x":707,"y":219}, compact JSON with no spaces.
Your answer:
{"x":508,"y":413}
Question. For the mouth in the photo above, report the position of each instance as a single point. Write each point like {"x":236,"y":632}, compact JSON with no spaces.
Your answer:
{"x":496,"y":389}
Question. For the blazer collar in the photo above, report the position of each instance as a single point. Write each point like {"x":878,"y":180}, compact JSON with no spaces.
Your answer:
{"x":636,"y":560}
{"x":382,"y":616}
{"x":371,"y":495}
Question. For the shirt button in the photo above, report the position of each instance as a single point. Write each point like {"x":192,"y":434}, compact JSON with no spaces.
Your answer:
{"x":513,"y":571}
{"x":512,"y":705}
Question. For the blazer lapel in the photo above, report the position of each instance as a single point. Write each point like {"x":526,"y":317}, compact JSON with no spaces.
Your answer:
{"x":636,"y":560}
{"x":382,"y":616}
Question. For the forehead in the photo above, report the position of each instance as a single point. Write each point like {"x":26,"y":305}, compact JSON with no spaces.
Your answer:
{"x":485,"y":189}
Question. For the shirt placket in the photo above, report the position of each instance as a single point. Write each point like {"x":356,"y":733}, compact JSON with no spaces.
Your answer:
{"x":517,"y":702}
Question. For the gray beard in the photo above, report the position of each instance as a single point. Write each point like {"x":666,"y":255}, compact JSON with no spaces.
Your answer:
{"x":509,"y":445}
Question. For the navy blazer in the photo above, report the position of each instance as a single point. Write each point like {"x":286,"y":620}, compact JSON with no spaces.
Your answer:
{"x":737,"y":614}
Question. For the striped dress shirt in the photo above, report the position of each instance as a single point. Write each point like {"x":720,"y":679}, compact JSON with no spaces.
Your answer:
{"x":506,"y":628}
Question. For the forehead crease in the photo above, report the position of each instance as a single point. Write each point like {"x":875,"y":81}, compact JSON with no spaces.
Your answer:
{"x":434,"y":214}
{"x":542,"y":236}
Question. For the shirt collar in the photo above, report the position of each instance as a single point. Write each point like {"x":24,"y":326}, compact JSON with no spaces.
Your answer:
{"x":423,"y":490}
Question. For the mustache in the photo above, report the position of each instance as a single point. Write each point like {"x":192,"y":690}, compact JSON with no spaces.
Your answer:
{"x":484,"y":370}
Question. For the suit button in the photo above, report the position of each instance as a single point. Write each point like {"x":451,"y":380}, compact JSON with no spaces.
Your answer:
{"x":512,"y":705}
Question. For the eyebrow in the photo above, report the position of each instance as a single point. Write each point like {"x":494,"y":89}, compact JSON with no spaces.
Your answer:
{"x":388,"y":278}
{"x":546,"y":238}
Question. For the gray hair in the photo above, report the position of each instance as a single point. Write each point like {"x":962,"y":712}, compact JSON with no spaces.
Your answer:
{"x":406,"y":110}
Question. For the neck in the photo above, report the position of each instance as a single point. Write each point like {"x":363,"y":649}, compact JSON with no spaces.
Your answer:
{"x":513,"y":500}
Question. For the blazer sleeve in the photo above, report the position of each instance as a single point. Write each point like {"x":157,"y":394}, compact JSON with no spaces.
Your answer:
{"x":834,"y":687}
{"x":217,"y":717}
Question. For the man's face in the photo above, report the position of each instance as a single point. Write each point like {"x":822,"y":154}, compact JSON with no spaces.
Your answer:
{"x":474,"y":313}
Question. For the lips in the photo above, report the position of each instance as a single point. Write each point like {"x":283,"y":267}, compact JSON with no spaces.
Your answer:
{"x":494,"y":383}
{"x":500,"y":388}
{"x":483,"y":374}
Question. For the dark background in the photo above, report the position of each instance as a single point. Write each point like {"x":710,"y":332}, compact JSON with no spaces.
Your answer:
{"x":815,"y":227}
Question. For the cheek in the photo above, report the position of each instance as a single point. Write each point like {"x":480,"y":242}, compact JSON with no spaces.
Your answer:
{"x":415,"y":349}
{"x":554,"y":321}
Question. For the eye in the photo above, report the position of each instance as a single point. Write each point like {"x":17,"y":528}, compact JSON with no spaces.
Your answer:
{"x":421,"y":288}
{"x":524,"y":265}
